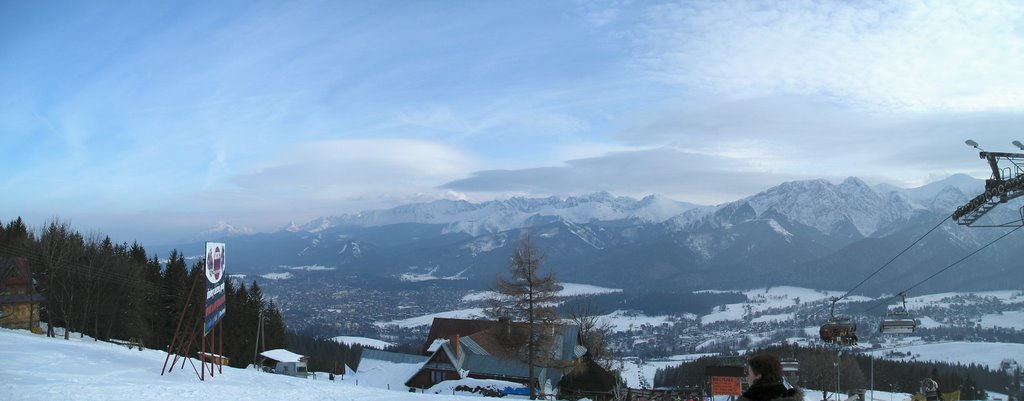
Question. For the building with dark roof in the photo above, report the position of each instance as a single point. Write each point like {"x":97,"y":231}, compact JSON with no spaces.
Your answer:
{"x":19,"y":303}
{"x":481,"y":349}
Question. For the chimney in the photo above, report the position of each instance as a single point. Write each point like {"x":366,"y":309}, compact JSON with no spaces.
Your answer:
{"x":507,"y":324}
{"x":454,"y":343}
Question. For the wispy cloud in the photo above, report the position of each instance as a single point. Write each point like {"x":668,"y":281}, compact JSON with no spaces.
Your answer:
{"x":275,"y":112}
{"x":918,"y":56}
{"x":688,"y":176}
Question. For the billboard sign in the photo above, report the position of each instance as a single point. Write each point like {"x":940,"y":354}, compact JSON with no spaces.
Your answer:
{"x":215,"y":278}
{"x":721,"y":385}
{"x":725,"y":380}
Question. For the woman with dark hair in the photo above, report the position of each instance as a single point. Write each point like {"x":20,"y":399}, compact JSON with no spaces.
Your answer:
{"x":764,"y":378}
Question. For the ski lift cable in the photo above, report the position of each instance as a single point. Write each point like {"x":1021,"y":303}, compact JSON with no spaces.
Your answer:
{"x":837,"y":299}
{"x":904,"y":292}
{"x":894,"y":258}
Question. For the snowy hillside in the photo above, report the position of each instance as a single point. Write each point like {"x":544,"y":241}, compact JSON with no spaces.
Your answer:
{"x":39,"y":368}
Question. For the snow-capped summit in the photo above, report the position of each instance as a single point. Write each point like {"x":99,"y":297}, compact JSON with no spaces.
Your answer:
{"x":963,"y":183}
{"x":815,"y":203}
{"x":292,"y":227}
{"x":223,"y":229}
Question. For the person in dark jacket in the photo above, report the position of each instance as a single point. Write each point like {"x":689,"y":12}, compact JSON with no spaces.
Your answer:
{"x":764,"y":376}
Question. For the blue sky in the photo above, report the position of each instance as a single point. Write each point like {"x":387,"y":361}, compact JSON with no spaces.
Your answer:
{"x":155,"y":120}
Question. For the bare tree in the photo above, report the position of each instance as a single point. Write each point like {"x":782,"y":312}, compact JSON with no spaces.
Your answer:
{"x":594,"y":332}
{"x":528,"y":297}
{"x":59,"y":246}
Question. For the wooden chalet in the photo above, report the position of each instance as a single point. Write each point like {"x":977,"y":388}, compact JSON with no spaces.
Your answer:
{"x":480,"y":349}
{"x":19,"y":304}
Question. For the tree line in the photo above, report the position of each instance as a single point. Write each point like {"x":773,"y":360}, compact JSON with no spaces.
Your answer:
{"x":109,"y":291}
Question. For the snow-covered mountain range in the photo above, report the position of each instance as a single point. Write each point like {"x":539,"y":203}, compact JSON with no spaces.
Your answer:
{"x":503,"y":215}
{"x":797,"y":233}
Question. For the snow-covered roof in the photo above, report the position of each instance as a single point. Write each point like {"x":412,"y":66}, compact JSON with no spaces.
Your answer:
{"x":283,"y":355}
{"x":436,"y":344}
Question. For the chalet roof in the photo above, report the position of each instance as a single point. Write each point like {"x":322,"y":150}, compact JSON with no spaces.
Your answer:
{"x":495,"y":366}
{"x":394,"y":357}
{"x":21,"y":299}
{"x":488,"y":342}
{"x":14,"y":269}
{"x":483,"y":353}
{"x":283,"y":355}
{"x":444,"y":328}
{"x":471,"y":346}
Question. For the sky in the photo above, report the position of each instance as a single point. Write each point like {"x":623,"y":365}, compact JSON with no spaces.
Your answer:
{"x":155,"y":120}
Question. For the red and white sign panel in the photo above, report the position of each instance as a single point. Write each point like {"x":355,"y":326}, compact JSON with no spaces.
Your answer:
{"x":215,"y":278}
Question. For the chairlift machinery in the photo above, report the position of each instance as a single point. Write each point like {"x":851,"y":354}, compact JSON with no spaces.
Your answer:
{"x":898,"y":320}
{"x":838,"y":330}
{"x":1004,"y":185}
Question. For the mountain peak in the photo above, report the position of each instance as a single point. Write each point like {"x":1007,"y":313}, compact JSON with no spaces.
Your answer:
{"x":853,"y":182}
{"x":224,"y":229}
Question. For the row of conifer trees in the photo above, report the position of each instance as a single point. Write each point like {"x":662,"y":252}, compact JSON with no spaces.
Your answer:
{"x":93,"y":286}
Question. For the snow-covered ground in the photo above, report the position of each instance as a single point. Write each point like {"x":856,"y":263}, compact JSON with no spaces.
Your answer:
{"x":366,"y":342}
{"x":41,"y":368}
{"x":425,"y":320}
{"x":988,"y":354}
{"x":626,"y":320}
{"x":568,"y":290}
{"x":35,"y":367}
{"x":277,"y":276}
{"x":761,"y":300}
{"x":946,"y":299}
{"x":633,"y":370}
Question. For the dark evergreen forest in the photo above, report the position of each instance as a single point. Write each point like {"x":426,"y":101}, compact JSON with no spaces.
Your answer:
{"x":117,"y":292}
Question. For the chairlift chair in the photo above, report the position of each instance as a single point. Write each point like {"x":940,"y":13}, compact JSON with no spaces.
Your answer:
{"x":898,"y":321}
{"x":838,"y":330}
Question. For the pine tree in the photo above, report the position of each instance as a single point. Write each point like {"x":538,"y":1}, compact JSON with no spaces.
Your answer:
{"x":274,"y":328}
{"x":175,"y":289}
{"x":14,"y":239}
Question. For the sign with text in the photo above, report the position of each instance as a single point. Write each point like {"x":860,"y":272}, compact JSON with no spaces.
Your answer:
{"x":215,"y":278}
{"x":722,"y":385}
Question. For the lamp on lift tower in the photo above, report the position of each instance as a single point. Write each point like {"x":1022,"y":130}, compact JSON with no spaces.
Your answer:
{"x":1018,"y":144}
{"x":972,"y":144}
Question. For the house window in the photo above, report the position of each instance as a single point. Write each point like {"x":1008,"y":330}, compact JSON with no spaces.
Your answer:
{"x":436,"y":376}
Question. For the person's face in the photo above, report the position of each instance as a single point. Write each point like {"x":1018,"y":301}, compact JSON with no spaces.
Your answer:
{"x":751,"y":376}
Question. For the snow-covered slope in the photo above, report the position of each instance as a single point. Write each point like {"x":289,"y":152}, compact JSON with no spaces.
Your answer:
{"x":40,"y":368}
{"x":824,"y":206}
